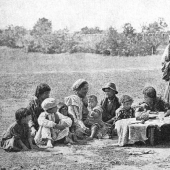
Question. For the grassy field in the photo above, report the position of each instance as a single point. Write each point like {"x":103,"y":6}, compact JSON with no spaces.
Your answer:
{"x":20,"y":73}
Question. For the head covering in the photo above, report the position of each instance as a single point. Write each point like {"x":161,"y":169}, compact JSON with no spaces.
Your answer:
{"x":110,"y":86}
{"x":60,"y":105}
{"x":149,"y":92}
{"x":49,"y":103}
{"x":78,"y":84}
{"x":99,"y":108}
{"x":126,"y":98}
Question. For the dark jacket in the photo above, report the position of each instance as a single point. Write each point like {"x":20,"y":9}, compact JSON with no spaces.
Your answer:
{"x":109,"y":114}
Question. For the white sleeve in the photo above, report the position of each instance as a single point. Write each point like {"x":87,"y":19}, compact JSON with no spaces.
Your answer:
{"x":65,"y":119}
{"x":43,"y":121}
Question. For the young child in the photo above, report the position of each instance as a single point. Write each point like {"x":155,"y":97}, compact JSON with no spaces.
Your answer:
{"x":17,"y":136}
{"x":53,"y":125}
{"x":94,"y":119}
{"x":63,"y":109}
{"x":125,"y":111}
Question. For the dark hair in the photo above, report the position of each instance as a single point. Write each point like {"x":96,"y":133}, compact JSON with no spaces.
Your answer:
{"x":41,"y":88}
{"x":150,"y":92}
{"x":93,"y":97}
{"x":82,"y":85}
{"x":60,"y":106}
{"x":21,"y":113}
{"x":126,"y":98}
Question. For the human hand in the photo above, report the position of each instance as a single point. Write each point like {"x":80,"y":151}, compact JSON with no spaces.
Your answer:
{"x":33,"y":131}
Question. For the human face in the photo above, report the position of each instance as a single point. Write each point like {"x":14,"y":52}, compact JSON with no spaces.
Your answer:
{"x":45,"y":95}
{"x":127,"y":105}
{"x":95,"y":113}
{"x":109,"y":93}
{"x":64,"y":111}
{"x":148,"y":100}
{"x":92,"y":103}
{"x":83,"y":91}
{"x":26,"y":119}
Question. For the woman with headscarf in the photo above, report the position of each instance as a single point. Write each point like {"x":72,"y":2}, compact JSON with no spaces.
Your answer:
{"x":75,"y":105}
{"x":42,"y":92}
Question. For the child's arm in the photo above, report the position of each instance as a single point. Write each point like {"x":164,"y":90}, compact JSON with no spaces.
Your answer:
{"x":65,"y":122}
{"x":43,"y":121}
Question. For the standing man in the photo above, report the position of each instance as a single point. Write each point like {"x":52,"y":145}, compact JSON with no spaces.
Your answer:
{"x":166,"y":71}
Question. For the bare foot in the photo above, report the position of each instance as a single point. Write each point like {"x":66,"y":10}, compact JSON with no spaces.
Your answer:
{"x":49,"y":144}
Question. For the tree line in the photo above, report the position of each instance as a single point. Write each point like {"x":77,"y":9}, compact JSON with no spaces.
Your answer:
{"x":41,"y":38}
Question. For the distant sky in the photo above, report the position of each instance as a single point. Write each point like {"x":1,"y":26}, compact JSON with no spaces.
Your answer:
{"x":75,"y":14}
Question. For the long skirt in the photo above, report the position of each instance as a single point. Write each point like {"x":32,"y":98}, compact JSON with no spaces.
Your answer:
{"x":167,"y":93}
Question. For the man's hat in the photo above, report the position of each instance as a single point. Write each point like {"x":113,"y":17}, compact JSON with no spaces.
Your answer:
{"x":110,"y":86}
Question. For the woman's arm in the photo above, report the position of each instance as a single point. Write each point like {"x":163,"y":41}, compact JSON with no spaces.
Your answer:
{"x":73,"y":110}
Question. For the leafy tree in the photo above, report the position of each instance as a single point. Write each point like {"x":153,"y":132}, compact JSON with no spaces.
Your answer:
{"x":87,"y":30}
{"x":155,"y":27}
{"x":128,"y":30}
{"x":43,"y":26}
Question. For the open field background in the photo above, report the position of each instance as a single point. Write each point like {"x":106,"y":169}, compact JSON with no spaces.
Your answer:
{"x":20,"y":73}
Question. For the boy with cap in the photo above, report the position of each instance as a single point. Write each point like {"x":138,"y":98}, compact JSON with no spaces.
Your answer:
{"x":53,"y":125}
{"x":110,"y":103}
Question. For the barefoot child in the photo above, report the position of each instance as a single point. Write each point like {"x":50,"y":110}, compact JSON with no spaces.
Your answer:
{"x":94,"y":118}
{"x":63,"y":109}
{"x":53,"y":125}
{"x":17,"y":136}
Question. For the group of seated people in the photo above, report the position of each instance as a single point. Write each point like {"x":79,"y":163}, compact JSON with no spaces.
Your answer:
{"x":79,"y":117}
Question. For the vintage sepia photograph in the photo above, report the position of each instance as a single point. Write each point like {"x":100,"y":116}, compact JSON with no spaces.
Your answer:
{"x":84,"y":84}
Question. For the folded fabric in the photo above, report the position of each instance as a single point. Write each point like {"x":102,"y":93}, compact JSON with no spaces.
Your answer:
{"x":123,"y":131}
{"x":137,"y":132}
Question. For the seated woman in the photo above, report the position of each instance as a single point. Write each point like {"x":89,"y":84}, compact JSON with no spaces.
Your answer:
{"x":17,"y":136}
{"x":53,"y":125}
{"x":75,"y":106}
{"x":42,"y":92}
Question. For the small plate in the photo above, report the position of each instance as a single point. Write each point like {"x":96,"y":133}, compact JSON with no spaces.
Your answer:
{"x":152,"y":116}
{"x":136,"y":122}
